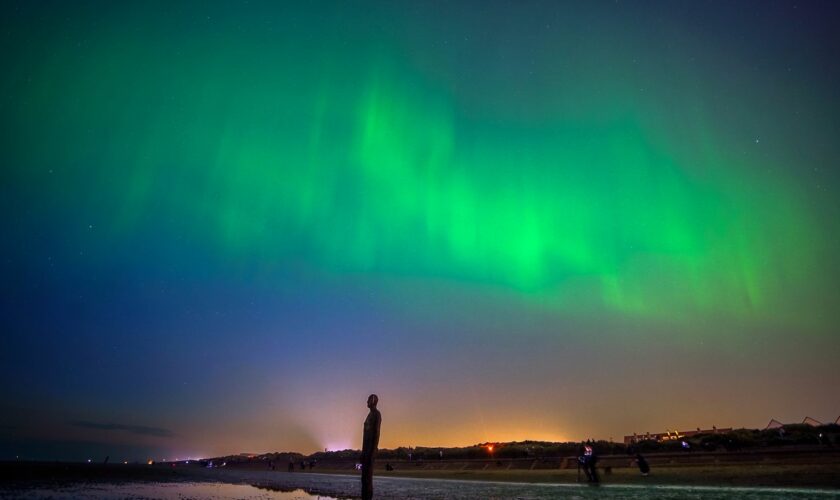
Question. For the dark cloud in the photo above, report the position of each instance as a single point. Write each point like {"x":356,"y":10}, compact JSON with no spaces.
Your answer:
{"x":134,"y":429}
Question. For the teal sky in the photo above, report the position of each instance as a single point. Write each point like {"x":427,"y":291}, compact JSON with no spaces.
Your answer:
{"x":229,"y":222}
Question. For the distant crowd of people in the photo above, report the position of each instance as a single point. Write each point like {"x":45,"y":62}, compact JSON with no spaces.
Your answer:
{"x":303,"y":464}
{"x":588,"y":461}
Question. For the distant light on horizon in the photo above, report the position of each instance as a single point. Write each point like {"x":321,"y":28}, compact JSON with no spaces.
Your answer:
{"x":340,"y":446}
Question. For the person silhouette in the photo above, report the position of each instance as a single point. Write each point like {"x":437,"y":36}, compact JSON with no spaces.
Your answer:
{"x":370,"y":442}
{"x":644,"y":467}
{"x":588,"y":460}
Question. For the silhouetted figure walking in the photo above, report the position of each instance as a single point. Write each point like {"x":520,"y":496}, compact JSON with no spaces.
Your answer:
{"x":644,"y":468}
{"x":589,"y":460}
{"x":370,"y":442}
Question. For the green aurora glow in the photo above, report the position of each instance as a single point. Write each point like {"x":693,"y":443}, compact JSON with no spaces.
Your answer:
{"x":369,"y":167}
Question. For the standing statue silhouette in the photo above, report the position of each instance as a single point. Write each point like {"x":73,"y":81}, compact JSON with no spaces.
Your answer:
{"x":370,"y":442}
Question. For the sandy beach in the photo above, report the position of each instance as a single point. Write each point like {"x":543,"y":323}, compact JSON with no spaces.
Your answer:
{"x":34,"y":480}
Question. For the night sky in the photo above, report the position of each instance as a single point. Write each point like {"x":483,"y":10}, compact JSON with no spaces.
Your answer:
{"x":224,"y":225}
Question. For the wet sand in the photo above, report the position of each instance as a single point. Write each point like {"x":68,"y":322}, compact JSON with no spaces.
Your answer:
{"x":798,"y":475}
{"x":774,"y":481}
{"x":501,"y":486}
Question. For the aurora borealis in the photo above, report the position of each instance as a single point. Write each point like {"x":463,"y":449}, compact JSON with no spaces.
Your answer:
{"x":226,"y":224}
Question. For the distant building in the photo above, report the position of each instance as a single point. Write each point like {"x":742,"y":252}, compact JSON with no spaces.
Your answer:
{"x":671,"y":435}
{"x":775,"y":424}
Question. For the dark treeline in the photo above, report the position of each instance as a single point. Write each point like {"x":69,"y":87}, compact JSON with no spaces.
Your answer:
{"x":523,"y":449}
{"x":736,"y":440}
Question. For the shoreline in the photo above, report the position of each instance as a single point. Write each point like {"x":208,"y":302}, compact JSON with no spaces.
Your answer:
{"x":341,"y":482}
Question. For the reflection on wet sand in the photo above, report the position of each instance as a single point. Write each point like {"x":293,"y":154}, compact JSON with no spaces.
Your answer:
{"x":169,"y":491}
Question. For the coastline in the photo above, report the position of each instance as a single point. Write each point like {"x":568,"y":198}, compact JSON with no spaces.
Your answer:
{"x":341,"y":483}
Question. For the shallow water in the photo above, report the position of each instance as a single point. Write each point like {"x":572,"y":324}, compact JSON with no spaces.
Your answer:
{"x":164,"y":491}
{"x":409,"y":489}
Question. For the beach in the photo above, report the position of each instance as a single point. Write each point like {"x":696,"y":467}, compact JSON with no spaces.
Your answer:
{"x":38,"y":480}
